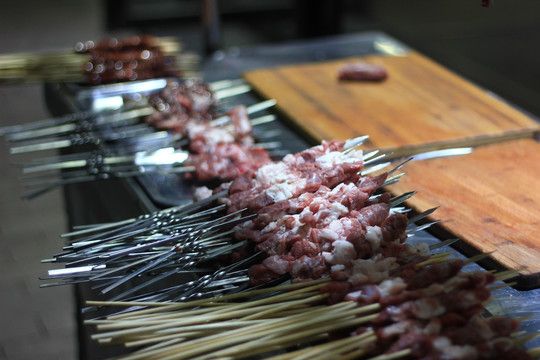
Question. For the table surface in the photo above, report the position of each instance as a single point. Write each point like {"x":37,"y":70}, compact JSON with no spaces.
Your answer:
{"x":120,"y":199}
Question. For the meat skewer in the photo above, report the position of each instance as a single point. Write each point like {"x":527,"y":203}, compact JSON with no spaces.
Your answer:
{"x":139,"y":158}
{"x":450,"y":271}
{"x":98,"y":169}
{"x":401,"y":347}
{"x":123,"y":120}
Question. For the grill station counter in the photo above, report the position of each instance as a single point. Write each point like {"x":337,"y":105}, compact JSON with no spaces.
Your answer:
{"x":290,"y":72}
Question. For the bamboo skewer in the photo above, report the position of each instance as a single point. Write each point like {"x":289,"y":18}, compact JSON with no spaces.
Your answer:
{"x":188,"y":319}
{"x":160,"y":306}
{"x":396,"y":355}
{"x":270,"y":334}
{"x":250,"y":317}
{"x":326,"y":350}
{"x":292,"y":336}
{"x":437,"y":258}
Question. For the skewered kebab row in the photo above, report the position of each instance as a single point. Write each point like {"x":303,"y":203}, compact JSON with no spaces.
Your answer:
{"x":132,"y":109}
{"x":187,"y":108}
{"x":113,"y":127}
{"x":213,"y":159}
{"x":129,"y":239}
{"x":312,"y":254}
{"x":322,"y":228}
{"x":437,"y":320}
{"x":416,"y":300}
{"x":226,"y":152}
{"x":326,"y":164}
{"x":128,"y":59}
{"x":226,"y":162}
{"x":218,"y":152}
{"x":422,"y":295}
{"x":204,"y":137}
{"x":109,"y":61}
{"x":442,"y":321}
{"x":440,"y":318}
{"x":305,"y":227}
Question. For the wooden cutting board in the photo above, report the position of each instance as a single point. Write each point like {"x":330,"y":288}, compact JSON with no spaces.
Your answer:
{"x":419,"y":103}
{"x":489,"y":198}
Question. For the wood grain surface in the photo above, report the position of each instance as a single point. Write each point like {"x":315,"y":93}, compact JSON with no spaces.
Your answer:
{"x":489,"y":198}
{"x":419,"y":103}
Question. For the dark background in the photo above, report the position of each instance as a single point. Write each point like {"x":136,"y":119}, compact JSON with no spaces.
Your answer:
{"x":497,"y":46}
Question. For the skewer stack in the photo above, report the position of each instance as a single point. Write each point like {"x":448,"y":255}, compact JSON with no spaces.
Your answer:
{"x":364,"y":293}
{"x":110,"y":60}
{"x":172,"y":238}
{"x":173,"y":131}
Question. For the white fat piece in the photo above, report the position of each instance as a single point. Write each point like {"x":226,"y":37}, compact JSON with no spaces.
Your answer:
{"x":334,"y":158}
{"x":218,"y":136}
{"x":213,"y":136}
{"x":296,"y":224}
{"x":334,"y":231}
{"x":429,"y":308}
{"x":271,"y":174}
{"x":391,"y":286}
{"x":330,"y":214}
{"x":374,"y":270}
{"x":454,"y":352}
{"x":342,"y":253}
{"x":421,"y":248}
{"x":374,"y":236}
{"x":202,"y":192}
{"x":292,"y":161}
{"x":337,"y":267}
{"x":284,"y":190}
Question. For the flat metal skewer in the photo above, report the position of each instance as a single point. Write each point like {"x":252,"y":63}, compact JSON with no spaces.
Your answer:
{"x":222,"y":120}
{"x":165,"y":156}
{"x":88,"y":125}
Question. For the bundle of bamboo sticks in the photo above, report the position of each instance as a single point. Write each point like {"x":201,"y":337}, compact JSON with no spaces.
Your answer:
{"x":291,"y":321}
